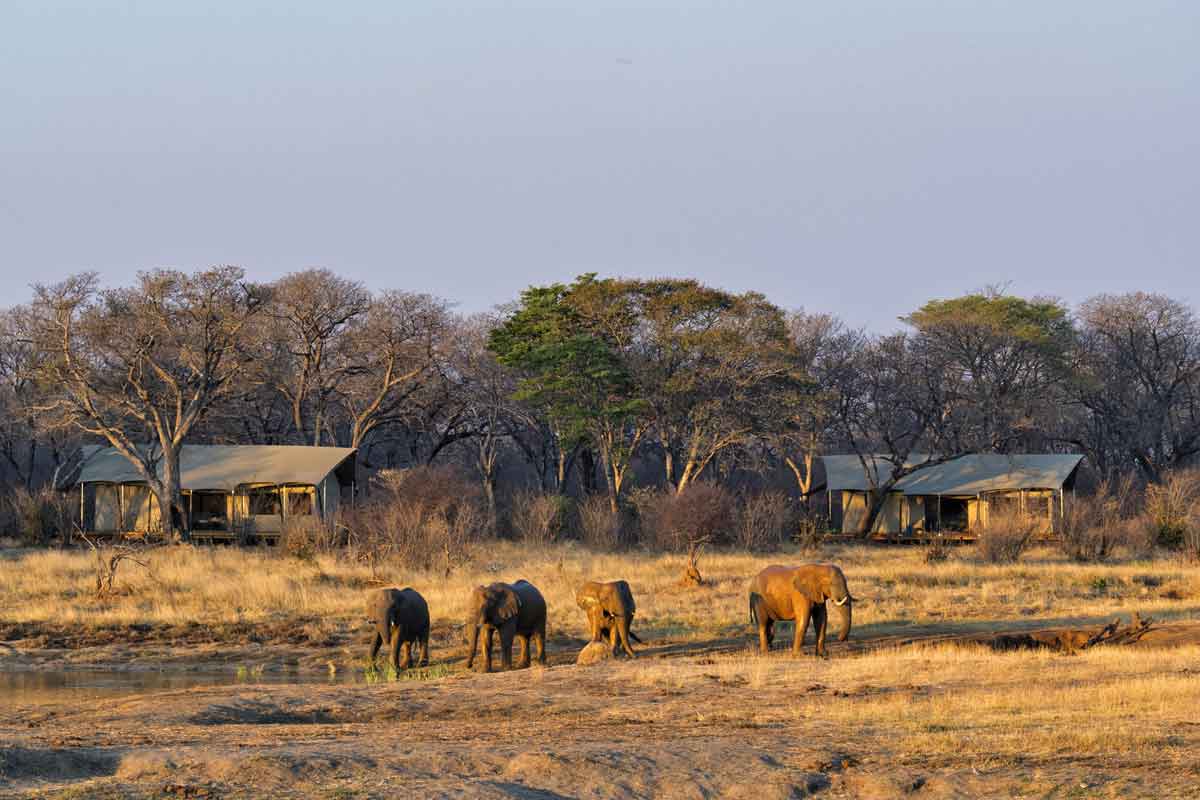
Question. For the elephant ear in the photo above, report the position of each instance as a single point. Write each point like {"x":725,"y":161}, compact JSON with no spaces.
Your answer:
{"x":506,"y":605}
{"x":809,"y":588}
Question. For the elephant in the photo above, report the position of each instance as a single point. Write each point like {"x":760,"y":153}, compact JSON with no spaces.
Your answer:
{"x":799,"y":593}
{"x":610,"y":609}
{"x":515,"y":610}
{"x":401,"y":617}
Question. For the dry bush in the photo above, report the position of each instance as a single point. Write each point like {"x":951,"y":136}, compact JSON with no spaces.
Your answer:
{"x":937,"y":550}
{"x":1005,"y":536}
{"x":424,"y":517}
{"x":600,"y":528}
{"x":1173,"y":511}
{"x":1092,"y":528}
{"x":539,"y":518}
{"x":38,"y":516}
{"x":702,"y":514}
{"x":306,"y":537}
{"x":764,"y":520}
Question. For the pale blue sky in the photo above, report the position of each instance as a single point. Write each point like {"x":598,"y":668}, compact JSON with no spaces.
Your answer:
{"x":856,"y":157}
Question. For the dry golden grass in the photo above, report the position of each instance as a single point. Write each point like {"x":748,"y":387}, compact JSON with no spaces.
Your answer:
{"x":941,"y":704}
{"x":1032,"y":723}
{"x":898,"y":592}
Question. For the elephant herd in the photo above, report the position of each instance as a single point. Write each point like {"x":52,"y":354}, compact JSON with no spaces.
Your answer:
{"x":518,"y":611}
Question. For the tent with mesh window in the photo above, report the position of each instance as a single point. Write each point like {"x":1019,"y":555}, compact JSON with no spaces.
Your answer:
{"x":957,"y":495}
{"x":230,"y":492}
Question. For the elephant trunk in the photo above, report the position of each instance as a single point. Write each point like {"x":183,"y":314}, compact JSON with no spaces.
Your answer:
{"x":843,"y":602}
{"x":844,"y":614}
{"x":472,"y":643}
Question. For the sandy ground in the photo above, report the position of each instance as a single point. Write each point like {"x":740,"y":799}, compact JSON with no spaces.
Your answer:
{"x":689,"y":719}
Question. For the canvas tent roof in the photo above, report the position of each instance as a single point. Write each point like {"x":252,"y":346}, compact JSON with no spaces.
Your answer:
{"x":224,"y":467}
{"x":963,"y":476}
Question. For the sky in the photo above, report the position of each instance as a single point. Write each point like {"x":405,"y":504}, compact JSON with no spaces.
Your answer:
{"x":858,"y":158}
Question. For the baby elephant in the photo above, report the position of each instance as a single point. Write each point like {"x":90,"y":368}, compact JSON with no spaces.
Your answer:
{"x":401,"y":617}
{"x":610,"y":609}
{"x":515,"y":610}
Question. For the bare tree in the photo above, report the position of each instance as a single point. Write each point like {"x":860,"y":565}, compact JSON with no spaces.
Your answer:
{"x":310,"y":311}
{"x":1137,"y":383}
{"x":394,"y":351}
{"x":143,"y":362}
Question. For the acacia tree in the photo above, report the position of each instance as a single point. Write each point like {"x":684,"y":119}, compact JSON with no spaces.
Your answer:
{"x":569,"y":369}
{"x":147,"y":361}
{"x":1003,"y":357}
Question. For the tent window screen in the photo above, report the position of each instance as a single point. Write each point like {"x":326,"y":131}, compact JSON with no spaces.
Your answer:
{"x":264,"y":502}
{"x":300,"y":504}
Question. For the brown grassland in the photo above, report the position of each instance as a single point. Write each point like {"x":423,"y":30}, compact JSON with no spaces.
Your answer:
{"x":911,"y":705}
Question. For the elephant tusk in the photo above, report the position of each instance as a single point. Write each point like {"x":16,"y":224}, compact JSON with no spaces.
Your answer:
{"x":843,"y":601}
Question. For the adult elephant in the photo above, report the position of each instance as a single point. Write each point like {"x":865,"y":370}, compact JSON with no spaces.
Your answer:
{"x":610,"y":608}
{"x":515,"y":610}
{"x":401,"y":619}
{"x":799,"y":593}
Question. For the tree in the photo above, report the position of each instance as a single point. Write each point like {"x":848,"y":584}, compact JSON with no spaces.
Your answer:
{"x":1137,"y":383}
{"x":1003,"y":357}
{"x":824,"y":349}
{"x":386,"y":357}
{"x":570,"y":369}
{"x":309,"y":313}
{"x":147,"y":361}
{"x":888,"y":402}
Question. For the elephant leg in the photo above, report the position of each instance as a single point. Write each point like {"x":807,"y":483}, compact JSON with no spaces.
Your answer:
{"x":759,"y":610}
{"x":623,"y":630}
{"x":506,"y":643}
{"x":526,"y":646}
{"x":541,"y":643}
{"x":406,"y":661}
{"x":424,"y":662}
{"x":802,"y":617}
{"x":770,"y":631}
{"x":820,"y":623}
{"x":376,"y":643}
{"x":397,"y":635}
{"x":487,"y":649}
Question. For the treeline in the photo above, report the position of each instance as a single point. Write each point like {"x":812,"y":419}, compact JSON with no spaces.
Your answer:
{"x":585,"y":389}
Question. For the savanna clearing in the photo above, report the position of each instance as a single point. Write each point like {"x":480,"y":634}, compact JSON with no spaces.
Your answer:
{"x":911,"y":704}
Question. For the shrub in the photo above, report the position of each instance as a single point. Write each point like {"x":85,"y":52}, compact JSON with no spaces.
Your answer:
{"x":424,"y":517}
{"x":600,"y":528}
{"x":810,"y":531}
{"x":1092,"y":528}
{"x":678,"y":522}
{"x":1173,"y":511}
{"x":937,"y":550}
{"x":36,"y":517}
{"x":1005,"y":536}
{"x":305,"y":537}
{"x":539,"y":518}
{"x":764,"y":520}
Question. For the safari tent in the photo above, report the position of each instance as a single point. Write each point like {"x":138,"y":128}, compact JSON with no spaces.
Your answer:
{"x":230,"y":492}
{"x":957,"y":495}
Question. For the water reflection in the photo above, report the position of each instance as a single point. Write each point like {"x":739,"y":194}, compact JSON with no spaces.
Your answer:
{"x":33,"y":686}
